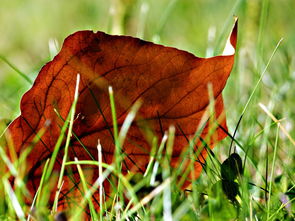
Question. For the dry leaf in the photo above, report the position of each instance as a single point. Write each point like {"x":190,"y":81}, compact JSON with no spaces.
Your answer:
{"x":172,"y":85}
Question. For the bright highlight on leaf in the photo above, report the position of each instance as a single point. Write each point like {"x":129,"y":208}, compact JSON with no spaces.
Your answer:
{"x":171,"y":85}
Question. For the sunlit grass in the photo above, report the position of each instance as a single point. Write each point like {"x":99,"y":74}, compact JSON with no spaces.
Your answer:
{"x":264,"y":73}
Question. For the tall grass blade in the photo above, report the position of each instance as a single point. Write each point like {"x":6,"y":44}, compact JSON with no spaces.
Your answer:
{"x":84,"y":184}
{"x":272,"y":170}
{"x":72,"y":111}
{"x":14,"y":201}
{"x":23,"y":75}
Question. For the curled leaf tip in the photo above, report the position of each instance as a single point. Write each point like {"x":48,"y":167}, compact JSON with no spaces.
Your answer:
{"x":231,"y":43}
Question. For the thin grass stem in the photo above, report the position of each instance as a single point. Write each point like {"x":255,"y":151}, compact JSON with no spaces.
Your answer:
{"x":72,"y":111}
{"x":272,"y":170}
{"x":23,"y":75}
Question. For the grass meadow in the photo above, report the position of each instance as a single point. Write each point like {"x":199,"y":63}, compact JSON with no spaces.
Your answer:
{"x":259,"y":97}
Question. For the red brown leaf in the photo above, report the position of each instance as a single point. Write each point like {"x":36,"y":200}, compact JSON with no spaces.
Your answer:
{"x":172,"y":85}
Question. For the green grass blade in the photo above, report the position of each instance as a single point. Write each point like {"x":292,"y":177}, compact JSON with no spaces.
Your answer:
{"x":23,"y":75}
{"x":127,"y":122}
{"x":100,"y":174}
{"x":41,"y":183}
{"x":84,"y":184}
{"x":72,"y":111}
{"x":167,"y":204}
{"x":117,"y":156}
{"x":91,"y":190}
{"x":57,"y":146}
{"x":272,"y":171}
{"x":13,"y":199}
{"x":261,"y":76}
